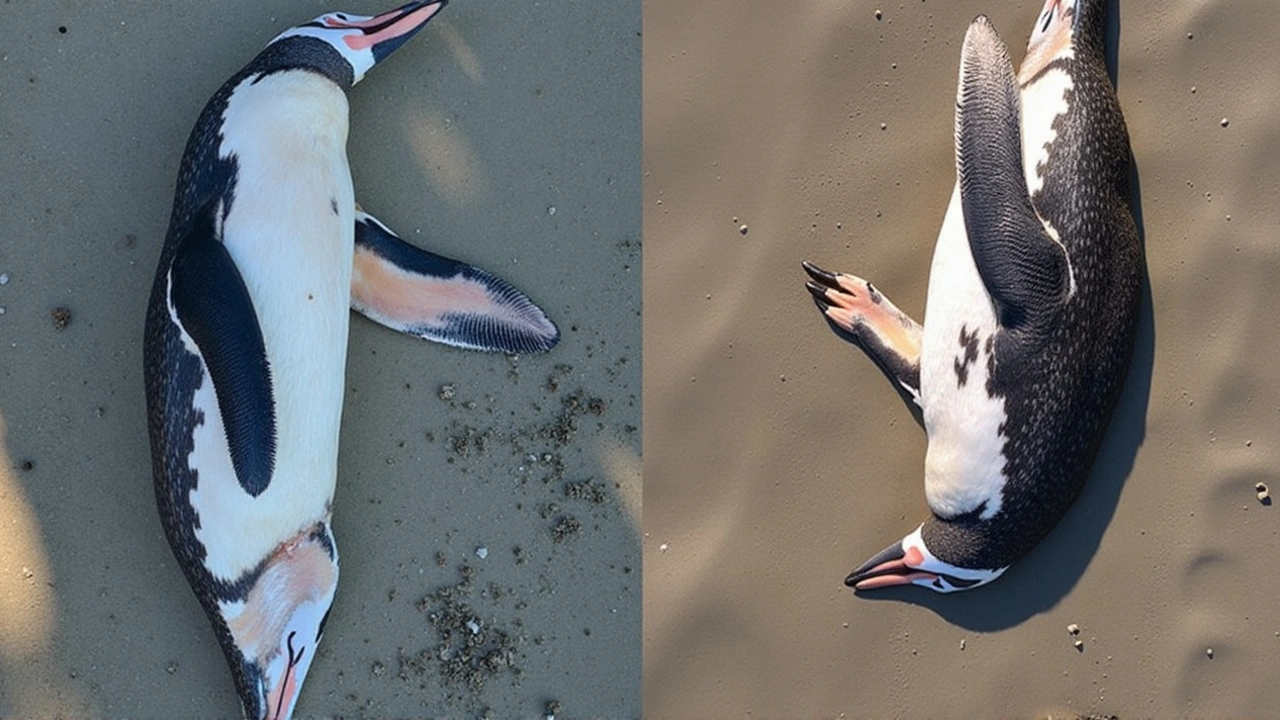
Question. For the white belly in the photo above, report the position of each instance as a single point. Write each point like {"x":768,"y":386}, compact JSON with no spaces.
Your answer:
{"x":963,"y":465}
{"x":294,"y":252}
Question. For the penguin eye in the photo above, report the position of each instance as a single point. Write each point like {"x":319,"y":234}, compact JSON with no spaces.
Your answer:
{"x":340,"y":16}
{"x":1048,"y":17}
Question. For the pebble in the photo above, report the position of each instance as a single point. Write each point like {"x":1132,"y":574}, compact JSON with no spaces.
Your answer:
{"x":4,"y":278}
{"x":1074,"y":629}
{"x":1264,"y":496}
{"x":482,"y":552}
{"x":962,"y":643}
{"x":1079,"y":645}
{"x":551,"y":210}
{"x":742,"y":229}
{"x":879,"y":15}
{"x":1209,"y":652}
{"x":474,"y":627}
{"x":663,"y":547}
{"x":1225,"y":122}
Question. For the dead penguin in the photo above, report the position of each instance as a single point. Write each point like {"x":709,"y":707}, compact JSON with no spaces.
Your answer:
{"x":246,"y":340}
{"x":1032,"y":304}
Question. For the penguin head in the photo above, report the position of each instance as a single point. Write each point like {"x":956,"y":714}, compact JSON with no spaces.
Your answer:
{"x":364,"y":41}
{"x":910,"y":562}
{"x":1051,"y":37}
{"x":274,"y":629}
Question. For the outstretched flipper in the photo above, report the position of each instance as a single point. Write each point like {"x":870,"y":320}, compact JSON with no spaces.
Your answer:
{"x":420,"y":293}
{"x":1025,"y":268}
{"x":860,"y":314}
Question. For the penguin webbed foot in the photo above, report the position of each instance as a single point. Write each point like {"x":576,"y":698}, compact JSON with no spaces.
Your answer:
{"x":860,"y":314}
{"x":436,"y":298}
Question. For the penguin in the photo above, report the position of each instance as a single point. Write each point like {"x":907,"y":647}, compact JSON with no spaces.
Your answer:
{"x":246,"y":333}
{"x":1031,"y":310}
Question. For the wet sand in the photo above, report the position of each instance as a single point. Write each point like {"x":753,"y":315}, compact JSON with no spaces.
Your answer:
{"x":778,"y":458}
{"x":505,"y":136}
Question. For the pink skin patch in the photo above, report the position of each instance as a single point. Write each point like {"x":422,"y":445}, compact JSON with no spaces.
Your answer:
{"x":405,"y":299}
{"x":897,"y":572}
{"x":395,"y":29}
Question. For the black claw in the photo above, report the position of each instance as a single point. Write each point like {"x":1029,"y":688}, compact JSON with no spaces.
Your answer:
{"x":819,"y":294}
{"x":822,"y":276}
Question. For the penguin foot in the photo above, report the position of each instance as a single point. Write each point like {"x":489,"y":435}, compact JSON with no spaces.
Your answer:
{"x":860,"y":314}
{"x":435,"y":298}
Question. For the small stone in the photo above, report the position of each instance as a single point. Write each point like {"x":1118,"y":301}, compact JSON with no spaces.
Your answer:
{"x":662,"y":547}
{"x":61,"y":318}
{"x":1190,"y":36}
{"x":879,"y":15}
{"x":474,"y":627}
{"x":1225,"y":122}
{"x":551,"y":210}
{"x":446,"y":392}
{"x":884,"y":126}
{"x":962,"y":643}
{"x":1079,"y":645}
{"x":171,"y":668}
{"x":742,"y":229}
{"x":1074,"y":629}
{"x":379,"y":669}
{"x":4,"y":278}
{"x":1209,"y":652}
{"x":482,"y":552}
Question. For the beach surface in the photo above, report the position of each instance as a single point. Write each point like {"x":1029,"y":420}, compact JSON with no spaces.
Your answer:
{"x":472,"y":488}
{"x":778,"y":457}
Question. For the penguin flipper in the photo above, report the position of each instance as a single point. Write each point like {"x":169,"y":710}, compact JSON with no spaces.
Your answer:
{"x":213,"y":306}
{"x":1025,"y":270}
{"x":860,"y":314}
{"x":435,"y":298}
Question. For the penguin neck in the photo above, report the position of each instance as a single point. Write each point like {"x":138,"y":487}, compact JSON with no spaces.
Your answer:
{"x":304,"y":53}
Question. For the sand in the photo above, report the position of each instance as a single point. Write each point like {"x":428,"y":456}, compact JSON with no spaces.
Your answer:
{"x":506,"y":135}
{"x":777,"y":457}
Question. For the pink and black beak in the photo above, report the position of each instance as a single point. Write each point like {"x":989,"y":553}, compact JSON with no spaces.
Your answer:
{"x":891,"y":566}
{"x":388,"y":31}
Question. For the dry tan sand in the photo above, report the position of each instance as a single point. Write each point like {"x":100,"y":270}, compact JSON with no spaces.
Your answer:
{"x":463,"y":141}
{"x":777,"y":457}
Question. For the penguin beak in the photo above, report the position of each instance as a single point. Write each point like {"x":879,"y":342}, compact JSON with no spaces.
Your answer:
{"x":275,"y":629}
{"x":388,"y":31}
{"x":891,"y":566}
